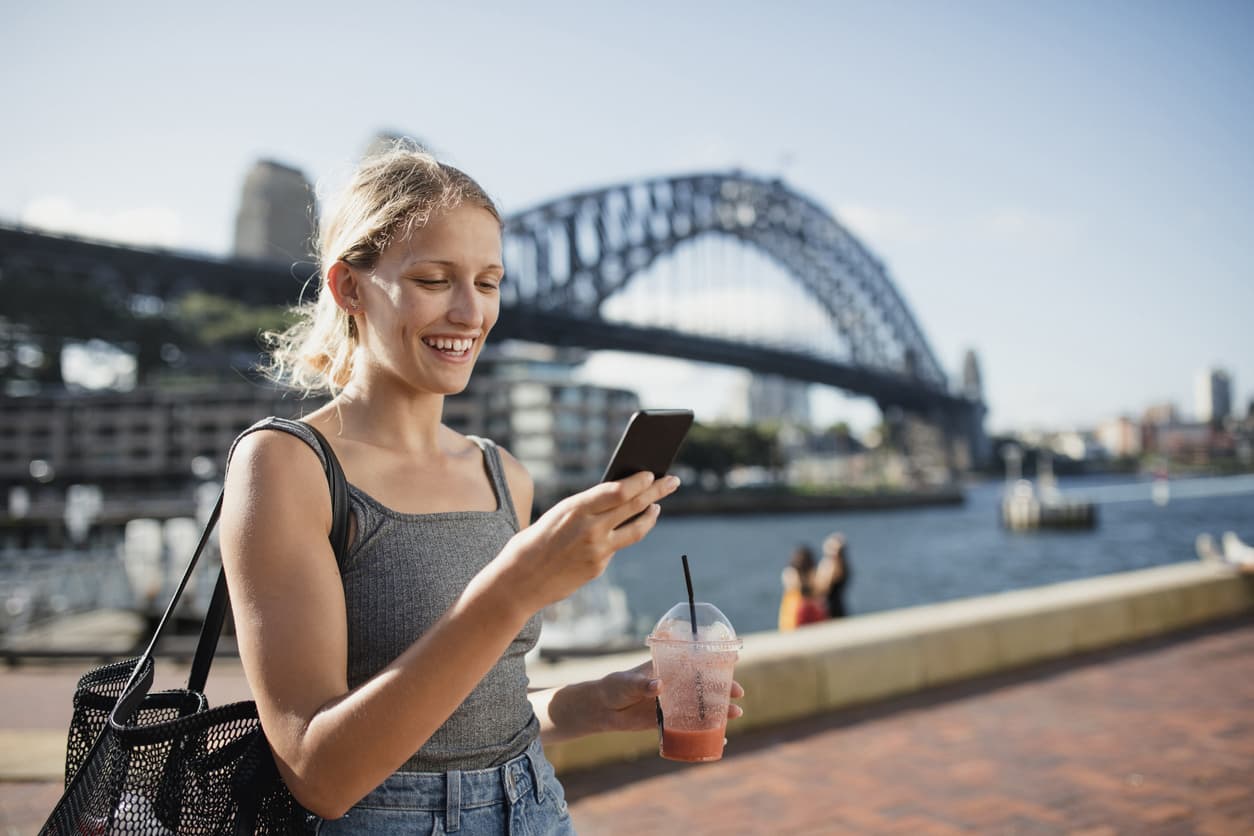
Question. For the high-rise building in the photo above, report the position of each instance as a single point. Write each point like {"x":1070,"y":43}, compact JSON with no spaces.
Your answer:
{"x":972,"y":381}
{"x":277,"y":215}
{"x":774,"y":398}
{"x":1120,"y":436}
{"x":1212,"y":395}
{"x":1161,"y":414}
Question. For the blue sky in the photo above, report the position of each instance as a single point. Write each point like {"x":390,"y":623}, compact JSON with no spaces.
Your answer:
{"x":1065,"y":187}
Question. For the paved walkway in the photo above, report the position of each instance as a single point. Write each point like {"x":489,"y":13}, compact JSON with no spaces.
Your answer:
{"x":1155,"y":739}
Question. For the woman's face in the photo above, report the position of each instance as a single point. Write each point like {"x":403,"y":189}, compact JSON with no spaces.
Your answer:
{"x":429,"y":302}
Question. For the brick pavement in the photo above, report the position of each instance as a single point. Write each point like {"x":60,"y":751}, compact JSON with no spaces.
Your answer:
{"x":1153,"y":739}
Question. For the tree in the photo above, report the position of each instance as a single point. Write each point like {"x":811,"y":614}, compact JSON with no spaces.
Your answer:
{"x":714,"y":449}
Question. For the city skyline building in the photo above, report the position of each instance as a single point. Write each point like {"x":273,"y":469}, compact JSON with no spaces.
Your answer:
{"x":1121,"y":437}
{"x":1212,"y":395}
{"x":1164,"y":413}
{"x":277,"y":215}
{"x":772,"y":398}
{"x":972,"y":380}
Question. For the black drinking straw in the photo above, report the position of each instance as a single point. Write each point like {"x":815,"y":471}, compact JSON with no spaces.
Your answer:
{"x":692,"y":606}
{"x":692,"y":617}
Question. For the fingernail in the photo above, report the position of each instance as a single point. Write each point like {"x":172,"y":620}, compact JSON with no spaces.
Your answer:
{"x":654,"y":684}
{"x":675,"y":483}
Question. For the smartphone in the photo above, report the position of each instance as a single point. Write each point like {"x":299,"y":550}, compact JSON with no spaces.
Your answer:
{"x":650,"y":442}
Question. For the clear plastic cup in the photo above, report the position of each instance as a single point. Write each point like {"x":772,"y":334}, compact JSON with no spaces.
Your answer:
{"x":696,"y":673}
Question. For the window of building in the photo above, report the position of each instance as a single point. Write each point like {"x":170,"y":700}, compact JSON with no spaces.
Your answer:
{"x":532,"y":421}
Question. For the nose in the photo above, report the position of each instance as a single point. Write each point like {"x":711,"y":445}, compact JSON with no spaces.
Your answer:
{"x":466,"y":307}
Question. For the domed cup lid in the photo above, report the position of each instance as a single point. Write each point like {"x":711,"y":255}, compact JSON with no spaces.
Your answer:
{"x":714,"y":631}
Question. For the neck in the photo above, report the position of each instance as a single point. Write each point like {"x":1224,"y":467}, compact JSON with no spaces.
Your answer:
{"x":371,"y":412}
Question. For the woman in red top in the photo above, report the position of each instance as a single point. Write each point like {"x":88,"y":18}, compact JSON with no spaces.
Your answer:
{"x":798,"y":605}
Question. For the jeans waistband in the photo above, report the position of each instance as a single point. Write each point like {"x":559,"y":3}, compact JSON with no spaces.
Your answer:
{"x":456,"y":790}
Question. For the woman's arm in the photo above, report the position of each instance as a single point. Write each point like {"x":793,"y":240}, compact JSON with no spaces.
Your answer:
{"x":333,"y":745}
{"x":621,"y":701}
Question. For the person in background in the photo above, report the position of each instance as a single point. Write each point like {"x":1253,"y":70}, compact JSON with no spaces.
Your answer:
{"x":832,"y":574}
{"x":798,"y":605}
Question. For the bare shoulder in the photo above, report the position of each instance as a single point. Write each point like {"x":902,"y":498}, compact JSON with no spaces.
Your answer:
{"x":521,"y":487}
{"x":274,"y":459}
{"x":275,"y":480}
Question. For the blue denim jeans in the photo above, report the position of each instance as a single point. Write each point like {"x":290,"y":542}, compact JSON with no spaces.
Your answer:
{"x":521,"y":797}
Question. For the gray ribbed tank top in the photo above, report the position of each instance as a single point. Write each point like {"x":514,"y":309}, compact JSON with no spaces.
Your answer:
{"x":401,"y":573}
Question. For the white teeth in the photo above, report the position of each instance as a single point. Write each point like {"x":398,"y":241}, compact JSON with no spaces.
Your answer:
{"x":447,"y":344}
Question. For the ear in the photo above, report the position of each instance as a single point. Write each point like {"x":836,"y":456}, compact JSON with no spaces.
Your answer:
{"x":345,"y":288}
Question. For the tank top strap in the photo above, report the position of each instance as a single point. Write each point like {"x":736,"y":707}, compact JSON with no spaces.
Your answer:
{"x":302,"y":431}
{"x":287,"y":425}
{"x":492,"y":455}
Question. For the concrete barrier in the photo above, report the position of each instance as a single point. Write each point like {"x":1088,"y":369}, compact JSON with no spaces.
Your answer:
{"x":828,"y":666}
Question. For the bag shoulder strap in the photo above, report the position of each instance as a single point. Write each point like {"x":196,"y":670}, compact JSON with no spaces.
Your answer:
{"x":215,"y":615}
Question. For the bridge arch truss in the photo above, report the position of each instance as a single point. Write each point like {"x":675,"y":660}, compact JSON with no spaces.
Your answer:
{"x":565,"y":258}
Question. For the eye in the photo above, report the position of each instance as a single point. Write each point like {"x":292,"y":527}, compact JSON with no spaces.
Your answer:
{"x":492,"y":283}
{"x":430,"y":282}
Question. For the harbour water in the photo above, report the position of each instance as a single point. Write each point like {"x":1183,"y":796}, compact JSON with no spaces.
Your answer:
{"x":904,"y":558}
{"x":898,"y":558}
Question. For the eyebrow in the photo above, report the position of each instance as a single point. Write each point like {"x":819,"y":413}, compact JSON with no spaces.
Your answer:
{"x":443,"y":262}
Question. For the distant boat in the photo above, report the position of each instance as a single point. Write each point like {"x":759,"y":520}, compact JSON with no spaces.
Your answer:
{"x":595,"y":619}
{"x":1160,"y":490}
{"x":1026,"y":507}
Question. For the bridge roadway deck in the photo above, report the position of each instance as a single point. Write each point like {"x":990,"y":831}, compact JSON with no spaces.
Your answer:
{"x":1156,"y":738}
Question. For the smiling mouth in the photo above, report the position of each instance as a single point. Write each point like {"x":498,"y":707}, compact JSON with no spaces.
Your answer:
{"x":449,"y":346}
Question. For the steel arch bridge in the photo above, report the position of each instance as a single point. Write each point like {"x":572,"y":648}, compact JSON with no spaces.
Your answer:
{"x":566,"y":258}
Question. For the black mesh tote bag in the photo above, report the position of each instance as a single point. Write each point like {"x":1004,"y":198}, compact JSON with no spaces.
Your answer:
{"x":154,"y":764}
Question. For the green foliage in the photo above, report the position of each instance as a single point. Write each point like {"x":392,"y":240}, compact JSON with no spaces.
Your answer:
{"x":216,"y":320}
{"x":715,"y":449}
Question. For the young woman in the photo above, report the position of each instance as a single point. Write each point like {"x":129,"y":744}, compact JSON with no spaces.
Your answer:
{"x":391,"y":685}
{"x":832,"y":575}
{"x":798,"y":606}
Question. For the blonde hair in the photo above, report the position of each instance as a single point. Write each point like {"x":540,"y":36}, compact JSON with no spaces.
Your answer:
{"x":391,"y":194}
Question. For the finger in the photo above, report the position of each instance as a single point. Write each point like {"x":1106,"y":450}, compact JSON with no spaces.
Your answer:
{"x":627,"y":688}
{"x":662,"y":488}
{"x":629,"y":533}
{"x":736,"y":690}
{"x":633,"y":685}
{"x":734,"y":711}
{"x":629,"y":509}
{"x":609,"y":495}
{"x":645,"y":667}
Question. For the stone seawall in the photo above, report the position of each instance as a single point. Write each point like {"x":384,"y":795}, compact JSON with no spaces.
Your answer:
{"x":837,"y":664}
{"x":769,"y":502}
